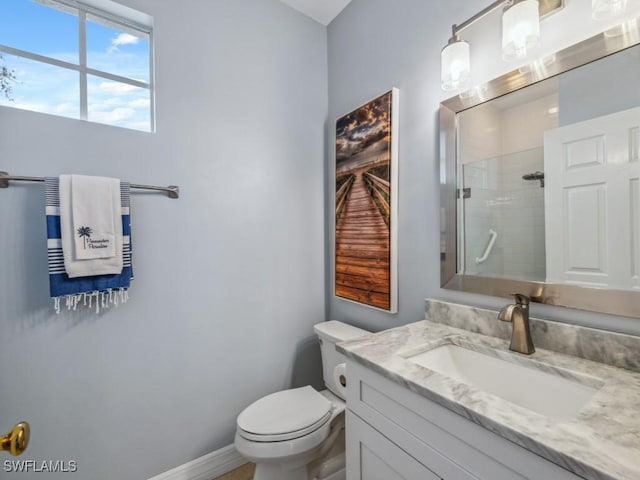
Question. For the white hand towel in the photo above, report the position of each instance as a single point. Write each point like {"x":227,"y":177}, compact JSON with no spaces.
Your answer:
{"x":106,"y":199}
{"x":95,"y":216}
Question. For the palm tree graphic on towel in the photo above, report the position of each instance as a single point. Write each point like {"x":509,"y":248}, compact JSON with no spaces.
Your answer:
{"x":85,"y":232}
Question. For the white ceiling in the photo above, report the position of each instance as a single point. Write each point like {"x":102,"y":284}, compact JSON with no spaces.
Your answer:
{"x":322,"y":11}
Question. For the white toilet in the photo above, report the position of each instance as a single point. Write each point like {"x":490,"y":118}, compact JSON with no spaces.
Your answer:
{"x":298,"y":434}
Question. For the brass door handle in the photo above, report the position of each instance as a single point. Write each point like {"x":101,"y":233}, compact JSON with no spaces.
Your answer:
{"x":16,"y":441}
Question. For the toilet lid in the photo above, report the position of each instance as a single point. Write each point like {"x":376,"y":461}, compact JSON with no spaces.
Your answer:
{"x":285,"y":412}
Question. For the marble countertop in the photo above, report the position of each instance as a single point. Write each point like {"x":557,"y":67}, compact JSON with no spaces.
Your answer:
{"x":601,"y":442}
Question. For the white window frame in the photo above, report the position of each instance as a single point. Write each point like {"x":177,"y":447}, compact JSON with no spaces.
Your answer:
{"x":123,"y":23}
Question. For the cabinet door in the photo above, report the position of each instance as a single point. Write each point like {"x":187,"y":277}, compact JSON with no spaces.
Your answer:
{"x":371,"y":456}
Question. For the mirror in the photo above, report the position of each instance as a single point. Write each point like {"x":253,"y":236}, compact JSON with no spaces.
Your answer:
{"x":540,"y":180}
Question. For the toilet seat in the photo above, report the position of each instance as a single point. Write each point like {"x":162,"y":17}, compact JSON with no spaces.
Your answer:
{"x":285,"y":415}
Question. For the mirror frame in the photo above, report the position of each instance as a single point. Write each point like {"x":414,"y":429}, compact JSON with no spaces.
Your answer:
{"x":616,"y":302}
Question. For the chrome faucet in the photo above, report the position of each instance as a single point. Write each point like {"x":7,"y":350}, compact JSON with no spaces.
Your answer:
{"x":518,"y":314}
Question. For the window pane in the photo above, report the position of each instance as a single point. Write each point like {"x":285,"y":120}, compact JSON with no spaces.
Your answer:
{"x":40,"y":87}
{"x":118,"y":50}
{"x":118,"y":104}
{"x":33,"y":27}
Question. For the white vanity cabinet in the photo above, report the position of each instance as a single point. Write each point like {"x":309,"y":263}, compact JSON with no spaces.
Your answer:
{"x":394,"y":433}
{"x":378,"y":457}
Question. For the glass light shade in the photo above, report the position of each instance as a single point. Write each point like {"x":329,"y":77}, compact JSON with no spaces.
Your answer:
{"x":605,"y":9}
{"x":455,"y":65}
{"x":520,"y":29}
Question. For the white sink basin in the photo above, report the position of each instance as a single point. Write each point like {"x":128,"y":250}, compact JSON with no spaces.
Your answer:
{"x":545,"y":393}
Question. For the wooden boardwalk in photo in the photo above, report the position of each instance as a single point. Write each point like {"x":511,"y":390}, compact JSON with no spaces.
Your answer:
{"x":362,"y":249}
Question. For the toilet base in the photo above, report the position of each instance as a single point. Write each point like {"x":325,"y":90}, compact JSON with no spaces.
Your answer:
{"x":330,"y":464}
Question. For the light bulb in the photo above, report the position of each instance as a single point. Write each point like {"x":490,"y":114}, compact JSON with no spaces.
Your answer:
{"x":520,"y":29}
{"x":605,"y":9}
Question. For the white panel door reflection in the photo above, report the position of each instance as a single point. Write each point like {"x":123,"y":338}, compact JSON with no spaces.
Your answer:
{"x":591,"y":202}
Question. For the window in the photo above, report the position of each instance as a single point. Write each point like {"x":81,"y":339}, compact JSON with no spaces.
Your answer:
{"x":90,"y":60}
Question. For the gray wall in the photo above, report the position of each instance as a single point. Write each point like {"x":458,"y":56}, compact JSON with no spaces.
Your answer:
{"x":606,"y":92}
{"x":375,"y":45}
{"x":229,"y":279}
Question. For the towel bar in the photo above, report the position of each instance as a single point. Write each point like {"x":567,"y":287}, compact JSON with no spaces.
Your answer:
{"x":173,"y":191}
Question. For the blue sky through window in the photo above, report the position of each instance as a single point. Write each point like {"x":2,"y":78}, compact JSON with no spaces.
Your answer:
{"x":30,"y":26}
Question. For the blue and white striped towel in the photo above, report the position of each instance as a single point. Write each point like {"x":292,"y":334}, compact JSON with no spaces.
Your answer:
{"x":104,"y":290}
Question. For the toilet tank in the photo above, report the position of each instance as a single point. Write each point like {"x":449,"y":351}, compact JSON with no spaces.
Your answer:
{"x":330,"y":333}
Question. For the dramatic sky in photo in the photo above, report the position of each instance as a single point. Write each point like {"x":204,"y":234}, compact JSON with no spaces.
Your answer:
{"x":365,"y":130}
{"x":30,"y":26}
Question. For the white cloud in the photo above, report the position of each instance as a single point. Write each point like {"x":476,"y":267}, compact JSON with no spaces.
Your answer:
{"x":34,"y":107}
{"x":124,"y":39}
{"x":129,"y":109}
{"x":140,"y":103}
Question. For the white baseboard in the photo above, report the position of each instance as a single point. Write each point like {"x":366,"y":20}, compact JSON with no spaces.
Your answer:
{"x":207,"y":467}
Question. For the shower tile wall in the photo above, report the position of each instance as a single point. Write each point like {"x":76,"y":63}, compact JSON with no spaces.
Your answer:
{"x":522,"y":227}
{"x":514,"y":208}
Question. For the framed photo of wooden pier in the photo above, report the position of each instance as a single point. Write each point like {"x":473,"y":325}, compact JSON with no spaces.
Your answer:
{"x":366,"y":204}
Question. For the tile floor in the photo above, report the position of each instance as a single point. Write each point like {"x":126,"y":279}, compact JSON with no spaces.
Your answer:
{"x":243,"y":473}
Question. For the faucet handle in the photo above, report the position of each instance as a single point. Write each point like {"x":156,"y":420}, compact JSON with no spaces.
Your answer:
{"x":521,"y":299}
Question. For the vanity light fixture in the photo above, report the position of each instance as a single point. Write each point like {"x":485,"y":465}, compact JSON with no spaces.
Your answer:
{"x":606,"y":9}
{"x":456,"y":64}
{"x":520,"y":33}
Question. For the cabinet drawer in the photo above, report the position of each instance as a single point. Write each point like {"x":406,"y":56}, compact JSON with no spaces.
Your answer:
{"x":371,"y":456}
{"x":450,"y":445}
